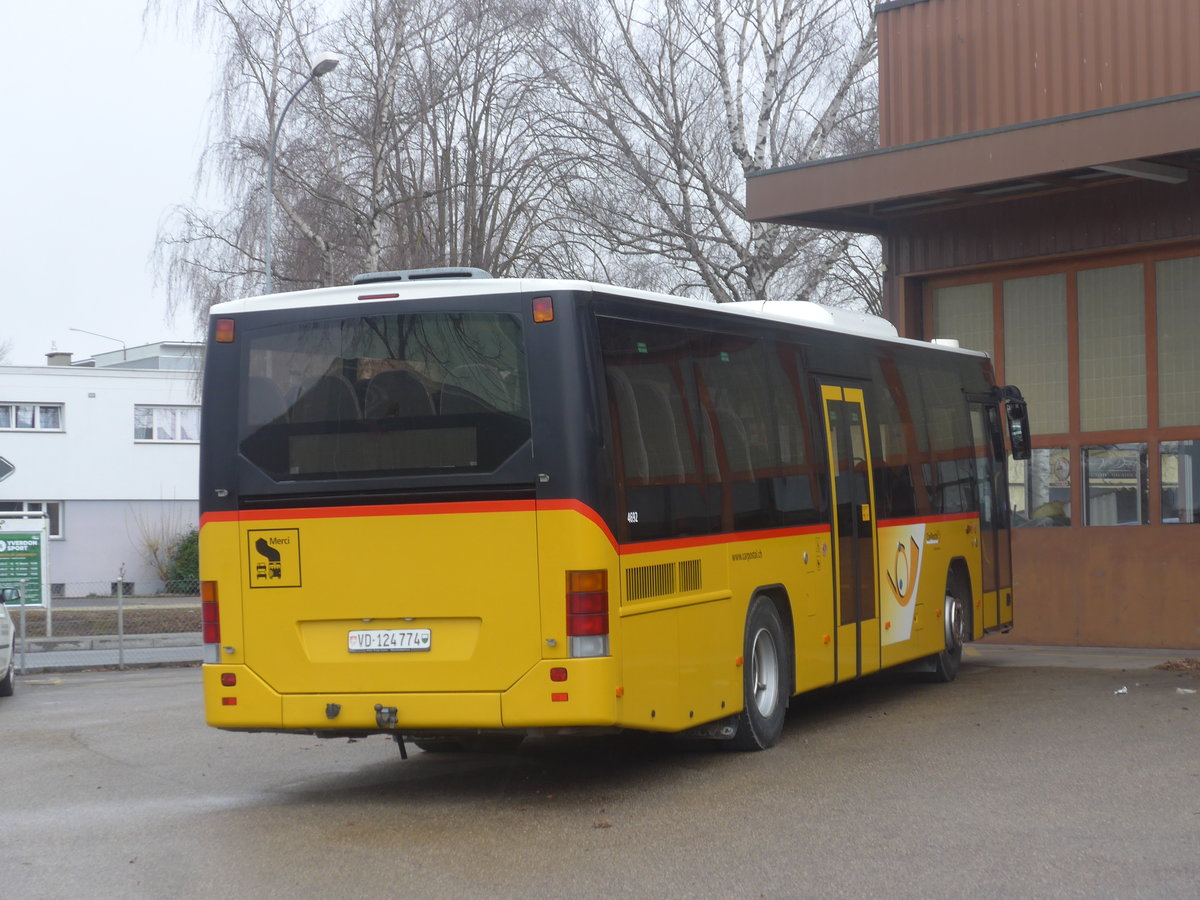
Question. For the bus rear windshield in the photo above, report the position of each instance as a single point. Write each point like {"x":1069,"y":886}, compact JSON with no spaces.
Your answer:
{"x":372,"y":396}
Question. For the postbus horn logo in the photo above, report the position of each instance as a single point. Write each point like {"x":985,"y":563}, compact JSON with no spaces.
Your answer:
{"x":904,"y":582}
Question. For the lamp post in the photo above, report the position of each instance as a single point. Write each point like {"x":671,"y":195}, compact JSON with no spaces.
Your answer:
{"x":124,"y":353}
{"x":324,"y":64}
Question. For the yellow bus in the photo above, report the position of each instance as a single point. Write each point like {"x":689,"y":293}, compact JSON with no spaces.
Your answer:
{"x":452,"y":508}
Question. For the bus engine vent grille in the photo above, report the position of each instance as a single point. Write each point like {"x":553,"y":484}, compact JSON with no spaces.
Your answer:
{"x":662,"y":580}
{"x":650,"y":581}
{"x":689,"y":575}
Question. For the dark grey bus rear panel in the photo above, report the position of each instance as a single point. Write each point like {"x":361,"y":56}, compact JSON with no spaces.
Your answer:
{"x":386,"y":402}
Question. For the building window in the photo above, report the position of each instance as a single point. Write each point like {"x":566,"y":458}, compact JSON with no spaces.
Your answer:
{"x":166,"y":423}
{"x":52,"y":508}
{"x":1040,"y":488}
{"x":1104,"y":354}
{"x":964,"y":314}
{"x":1035,"y":348}
{"x":31,"y":416}
{"x":1112,"y":349}
{"x":1178,"y":336}
{"x":1115,"y":485}
{"x":1180,"y":461}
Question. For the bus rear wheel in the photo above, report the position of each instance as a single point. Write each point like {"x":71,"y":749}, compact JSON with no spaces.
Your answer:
{"x":765,"y":682}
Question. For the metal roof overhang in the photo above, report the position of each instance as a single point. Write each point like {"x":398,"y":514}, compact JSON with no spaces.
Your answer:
{"x":1156,"y":139}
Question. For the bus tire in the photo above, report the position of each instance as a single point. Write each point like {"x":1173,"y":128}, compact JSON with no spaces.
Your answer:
{"x":765,"y":681}
{"x":956,"y":617}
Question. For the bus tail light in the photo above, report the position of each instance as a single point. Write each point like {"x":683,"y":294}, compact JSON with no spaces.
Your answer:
{"x":587,"y":613}
{"x":210,"y":613}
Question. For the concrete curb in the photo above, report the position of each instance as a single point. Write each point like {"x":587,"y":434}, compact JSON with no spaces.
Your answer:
{"x":64,"y":654}
{"x":1027,"y":656}
{"x":186,"y":648}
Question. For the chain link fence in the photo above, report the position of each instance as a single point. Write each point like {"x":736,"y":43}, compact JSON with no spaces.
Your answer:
{"x":104,"y":624}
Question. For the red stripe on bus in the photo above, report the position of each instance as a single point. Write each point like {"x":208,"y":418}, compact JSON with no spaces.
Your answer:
{"x":211,"y":517}
{"x":712,"y":540}
{"x":496,"y":506}
{"x":929,"y":520}
{"x":584,"y":510}
{"x":361,"y":512}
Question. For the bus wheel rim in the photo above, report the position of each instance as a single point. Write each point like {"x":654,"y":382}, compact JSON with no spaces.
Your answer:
{"x":764,"y":672}
{"x":955,"y":623}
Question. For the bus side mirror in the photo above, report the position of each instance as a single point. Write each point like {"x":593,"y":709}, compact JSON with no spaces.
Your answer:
{"x":1017,"y":414}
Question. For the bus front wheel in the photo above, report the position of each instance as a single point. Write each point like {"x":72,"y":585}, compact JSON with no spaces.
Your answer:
{"x":956,"y":619}
{"x":765,"y":683}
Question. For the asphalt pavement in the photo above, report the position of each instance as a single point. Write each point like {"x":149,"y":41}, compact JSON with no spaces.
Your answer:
{"x":1075,"y":776}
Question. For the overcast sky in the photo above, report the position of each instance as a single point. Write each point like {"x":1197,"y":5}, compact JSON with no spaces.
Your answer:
{"x":103,"y":123}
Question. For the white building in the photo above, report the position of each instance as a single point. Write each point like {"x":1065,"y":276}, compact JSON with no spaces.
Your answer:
{"x":108,"y":448}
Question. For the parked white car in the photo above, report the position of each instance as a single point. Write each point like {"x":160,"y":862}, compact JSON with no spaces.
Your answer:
{"x":8,"y":637}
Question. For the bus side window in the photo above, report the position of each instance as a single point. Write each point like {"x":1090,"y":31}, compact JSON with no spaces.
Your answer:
{"x":629,"y":427}
{"x":950,"y":442}
{"x":895,"y":486}
{"x":658,"y":414}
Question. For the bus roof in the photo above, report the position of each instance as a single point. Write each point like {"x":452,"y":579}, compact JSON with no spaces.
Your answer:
{"x":792,"y":312}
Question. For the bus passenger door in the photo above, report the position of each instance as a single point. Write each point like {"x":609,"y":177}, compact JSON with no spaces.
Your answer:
{"x":856,"y":610}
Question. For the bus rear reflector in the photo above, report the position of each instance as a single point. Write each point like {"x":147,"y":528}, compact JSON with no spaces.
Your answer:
{"x":587,"y":612}
{"x":210,"y":613}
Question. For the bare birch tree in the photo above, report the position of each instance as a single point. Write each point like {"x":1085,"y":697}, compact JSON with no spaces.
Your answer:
{"x":608,"y":141}
{"x":673,"y":103}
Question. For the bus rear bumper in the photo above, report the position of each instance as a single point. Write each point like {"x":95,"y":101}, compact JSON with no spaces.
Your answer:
{"x":253,"y":705}
{"x":563,"y":692}
{"x":542,"y":698}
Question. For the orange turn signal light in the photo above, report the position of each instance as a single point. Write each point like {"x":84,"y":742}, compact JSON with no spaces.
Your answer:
{"x":592,"y":581}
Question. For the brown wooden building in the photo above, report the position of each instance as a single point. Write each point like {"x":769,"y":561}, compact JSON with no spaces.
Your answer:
{"x":1037,"y":194}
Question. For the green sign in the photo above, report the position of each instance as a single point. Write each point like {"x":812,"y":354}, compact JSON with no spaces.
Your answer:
{"x":21,"y":559}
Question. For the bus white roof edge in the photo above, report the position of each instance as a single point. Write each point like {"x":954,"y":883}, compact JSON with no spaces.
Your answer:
{"x":802,"y":312}
{"x":809,"y":313}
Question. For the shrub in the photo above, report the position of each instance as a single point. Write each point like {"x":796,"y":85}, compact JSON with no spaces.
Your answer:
{"x":183,"y":570}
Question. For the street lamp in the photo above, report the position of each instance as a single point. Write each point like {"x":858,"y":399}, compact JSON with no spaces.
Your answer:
{"x":324,"y":64}
{"x":124,"y":353}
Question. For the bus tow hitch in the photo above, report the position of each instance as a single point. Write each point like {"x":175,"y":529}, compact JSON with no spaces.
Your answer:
{"x":385,"y":716}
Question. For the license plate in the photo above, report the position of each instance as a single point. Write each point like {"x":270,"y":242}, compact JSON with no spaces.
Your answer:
{"x":389,"y":640}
